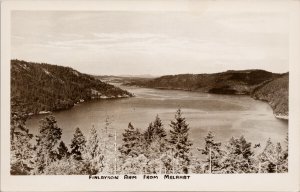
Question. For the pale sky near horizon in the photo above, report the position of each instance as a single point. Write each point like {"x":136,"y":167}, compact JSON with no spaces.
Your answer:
{"x":156,"y":43}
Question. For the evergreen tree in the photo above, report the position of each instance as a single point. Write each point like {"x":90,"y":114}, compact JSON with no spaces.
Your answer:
{"x":159,"y":129}
{"x":78,"y":143}
{"x":155,"y":145}
{"x":155,"y":131}
{"x":154,"y":154}
{"x":238,"y":157}
{"x":49,"y":135}
{"x":179,"y":140}
{"x":63,"y":151}
{"x":108,"y":137}
{"x":149,"y":133}
{"x":132,"y":142}
{"x":285,"y":154}
{"x":272,"y":159}
{"x":20,"y":148}
{"x":213,"y":152}
{"x":93,"y":154}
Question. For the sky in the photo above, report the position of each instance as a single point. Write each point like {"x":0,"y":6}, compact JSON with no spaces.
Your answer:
{"x":152,"y":42}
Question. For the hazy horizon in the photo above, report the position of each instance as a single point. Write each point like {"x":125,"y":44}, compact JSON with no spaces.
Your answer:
{"x":148,"y":75}
{"x":152,"y":43}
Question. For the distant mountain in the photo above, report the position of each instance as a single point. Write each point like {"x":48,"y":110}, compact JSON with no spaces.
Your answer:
{"x":259,"y":84}
{"x":138,"y":76}
{"x":121,"y":79}
{"x":42,"y":87}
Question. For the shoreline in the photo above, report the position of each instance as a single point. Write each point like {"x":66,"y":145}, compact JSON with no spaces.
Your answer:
{"x":76,"y":103}
{"x":278,"y":116}
{"x":282,"y":117}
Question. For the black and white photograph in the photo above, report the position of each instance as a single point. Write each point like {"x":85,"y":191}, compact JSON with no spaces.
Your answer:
{"x":152,"y":93}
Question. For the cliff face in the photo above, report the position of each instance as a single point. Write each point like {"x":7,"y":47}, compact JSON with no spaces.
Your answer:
{"x":43,"y":87}
{"x":276,"y":93}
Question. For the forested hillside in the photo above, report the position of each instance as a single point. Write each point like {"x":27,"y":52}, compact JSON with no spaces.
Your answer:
{"x":37,"y":87}
{"x":276,"y":93}
{"x":259,"y":84}
{"x":229,"y":82}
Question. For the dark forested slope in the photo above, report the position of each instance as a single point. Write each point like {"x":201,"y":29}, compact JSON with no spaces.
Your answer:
{"x":229,"y":82}
{"x":276,"y":93}
{"x":260,"y":84}
{"x":43,"y":87}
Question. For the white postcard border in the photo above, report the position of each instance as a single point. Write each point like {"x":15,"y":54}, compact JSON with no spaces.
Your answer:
{"x":206,"y":182}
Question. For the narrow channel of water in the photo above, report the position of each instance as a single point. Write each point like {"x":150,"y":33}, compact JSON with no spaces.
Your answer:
{"x":225,"y":115}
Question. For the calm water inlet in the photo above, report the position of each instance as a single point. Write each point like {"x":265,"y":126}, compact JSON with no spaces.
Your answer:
{"x":225,"y":115}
